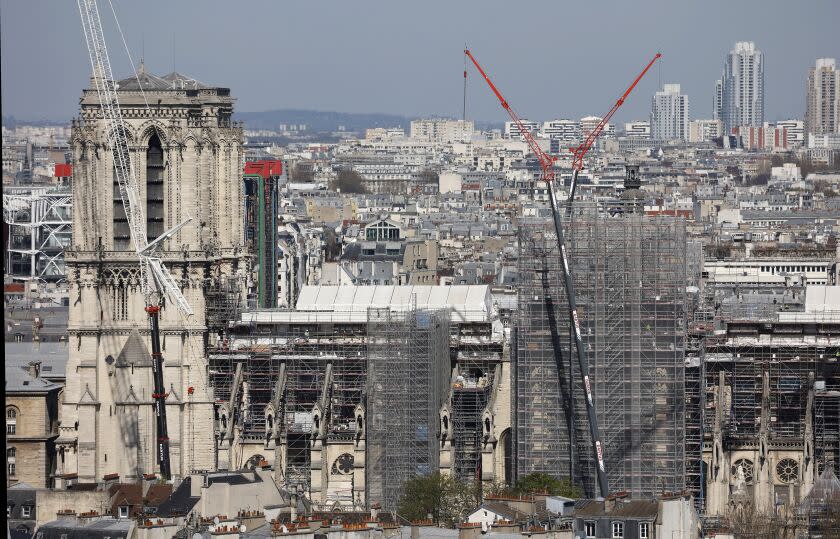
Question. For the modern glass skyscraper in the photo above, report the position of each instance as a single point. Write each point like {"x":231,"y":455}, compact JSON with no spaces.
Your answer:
{"x":742,"y":87}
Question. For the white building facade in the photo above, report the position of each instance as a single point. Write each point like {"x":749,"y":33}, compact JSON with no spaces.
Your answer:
{"x":637,"y":129}
{"x":566,"y":130}
{"x":704,"y":130}
{"x":669,"y":114}
{"x":512,"y":130}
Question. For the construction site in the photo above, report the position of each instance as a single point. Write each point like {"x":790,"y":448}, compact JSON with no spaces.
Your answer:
{"x":630,"y":276}
{"x":360,"y":388}
{"x":772,"y":407}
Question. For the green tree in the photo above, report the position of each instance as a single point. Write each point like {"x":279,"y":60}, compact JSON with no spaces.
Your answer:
{"x":446,"y":499}
{"x":542,"y":483}
{"x":302,"y":173}
{"x":348,"y":181}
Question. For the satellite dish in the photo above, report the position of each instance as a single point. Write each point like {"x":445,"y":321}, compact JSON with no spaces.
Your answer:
{"x":243,"y":528}
{"x":284,"y":529}
{"x":216,"y":521}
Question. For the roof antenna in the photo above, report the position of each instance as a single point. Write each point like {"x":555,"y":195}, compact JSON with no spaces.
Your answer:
{"x":173,"y":52}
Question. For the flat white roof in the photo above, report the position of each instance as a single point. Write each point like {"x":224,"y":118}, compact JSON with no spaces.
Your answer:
{"x":822,"y":299}
{"x":347,"y":303}
{"x":467,"y":302}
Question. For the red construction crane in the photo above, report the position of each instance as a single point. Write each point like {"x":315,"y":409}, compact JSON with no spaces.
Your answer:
{"x":546,"y":160}
{"x":579,"y":152}
{"x":547,"y":164}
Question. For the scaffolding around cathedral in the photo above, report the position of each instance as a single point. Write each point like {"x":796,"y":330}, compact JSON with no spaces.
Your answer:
{"x":304,"y":351}
{"x":408,"y":362}
{"x":476,"y":373}
{"x":630,"y":277}
{"x":223,"y":300}
{"x":802,"y":361}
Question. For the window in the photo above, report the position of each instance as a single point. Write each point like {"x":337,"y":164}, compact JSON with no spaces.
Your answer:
{"x":9,"y":510}
{"x":26,"y":511}
{"x":12,"y":470}
{"x":123,"y":511}
{"x":11,"y":421}
{"x":644,"y":530}
{"x":589,"y":529}
{"x":618,"y":530}
{"x":119,"y":297}
{"x":154,"y":188}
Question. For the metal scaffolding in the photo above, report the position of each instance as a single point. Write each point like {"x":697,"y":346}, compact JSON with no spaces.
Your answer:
{"x":303,"y":351}
{"x":475,"y":376}
{"x":799,"y":358}
{"x":630,"y":276}
{"x":223,"y":301}
{"x":408,"y":365}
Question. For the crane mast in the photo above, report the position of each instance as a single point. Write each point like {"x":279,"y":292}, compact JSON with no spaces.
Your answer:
{"x":156,"y":280}
{"x":548,"y":175}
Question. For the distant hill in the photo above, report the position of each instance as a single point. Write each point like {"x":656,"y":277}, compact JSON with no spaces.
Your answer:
{"x":320,"y":121}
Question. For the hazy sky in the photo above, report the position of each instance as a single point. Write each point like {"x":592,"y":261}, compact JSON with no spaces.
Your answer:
{"x":551,"y":59}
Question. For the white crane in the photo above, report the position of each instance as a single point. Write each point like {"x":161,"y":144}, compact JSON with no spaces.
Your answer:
{"x":156,"y":280}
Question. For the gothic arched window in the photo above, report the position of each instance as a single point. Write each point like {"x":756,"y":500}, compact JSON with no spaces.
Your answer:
{"x":154,"y":188}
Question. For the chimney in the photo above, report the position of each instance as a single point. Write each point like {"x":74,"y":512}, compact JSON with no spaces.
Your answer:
{"x":34,"y":369}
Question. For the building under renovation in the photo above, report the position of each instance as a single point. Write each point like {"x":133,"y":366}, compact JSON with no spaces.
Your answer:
{"x":187,"y":156}
{"x":772,"y":405}
{"x":360,"y":387}
{"x":630,"y":275}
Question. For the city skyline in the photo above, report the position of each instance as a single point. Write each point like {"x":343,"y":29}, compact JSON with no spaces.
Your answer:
{"x":315,"y":74}
{"x":222,"y":320}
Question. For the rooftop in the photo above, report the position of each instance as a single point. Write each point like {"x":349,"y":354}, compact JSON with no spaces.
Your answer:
{"x":147,"y":81}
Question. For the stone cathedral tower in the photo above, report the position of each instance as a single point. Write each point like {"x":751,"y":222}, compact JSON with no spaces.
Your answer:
{"x":187,"y":155}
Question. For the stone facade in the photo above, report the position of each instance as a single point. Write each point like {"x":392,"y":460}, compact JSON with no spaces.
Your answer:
{"x":187,"y":158}
{"x":33,"y":418}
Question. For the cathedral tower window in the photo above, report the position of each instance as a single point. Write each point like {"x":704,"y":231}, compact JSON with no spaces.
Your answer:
{"x":154,"y":189}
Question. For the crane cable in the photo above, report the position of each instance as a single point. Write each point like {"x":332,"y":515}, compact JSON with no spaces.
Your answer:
{"x":128,"y":53}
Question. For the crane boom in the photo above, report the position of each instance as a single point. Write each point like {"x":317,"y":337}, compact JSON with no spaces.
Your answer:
{"x":546,"y":160}
{"x":547,"y":164}
{"x":156,"y":281}
{"x":580,"y":151}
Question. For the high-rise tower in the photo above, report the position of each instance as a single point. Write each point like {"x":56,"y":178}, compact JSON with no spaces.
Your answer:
{"x":742,"y":87}
{"x":822,"y":114}
{"x":187,"y":156}
{"x":669,"y":114}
